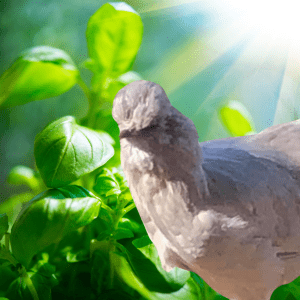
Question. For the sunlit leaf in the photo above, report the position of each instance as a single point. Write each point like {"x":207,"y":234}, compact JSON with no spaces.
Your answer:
{"x":114,"y":35}
{"x":236,"y":119}
{"x":112,"y":86}
{"x":39,"y":73}
{"x":13,"y":205}
{"x":106,"y":182}
{"x":64,"y":151}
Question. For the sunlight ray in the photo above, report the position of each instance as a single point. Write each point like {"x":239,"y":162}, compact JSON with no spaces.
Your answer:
{"x":251,"y":60}
{"x":185,"y":62}
{"x":288,"y":103}
{"x":151,"y":6}
{"x":248,"y":66}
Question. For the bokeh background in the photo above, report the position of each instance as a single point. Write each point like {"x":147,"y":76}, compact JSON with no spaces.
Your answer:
{"x":199,"y":52}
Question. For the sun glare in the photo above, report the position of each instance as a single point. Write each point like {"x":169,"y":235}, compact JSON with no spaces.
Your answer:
{"x":278,"y":19}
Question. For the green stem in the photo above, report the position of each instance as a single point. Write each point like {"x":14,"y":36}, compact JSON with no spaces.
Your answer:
{"x":128,"y":209}
{"x":7,"y":235}
{"x":5,"y":253}
{"x":91,"y":99}
{"x":29,"y":283}
{"x":85,"y":88}
{"x":107,"y":207}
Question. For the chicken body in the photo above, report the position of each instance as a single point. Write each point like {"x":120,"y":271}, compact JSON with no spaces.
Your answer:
{"x":228,"y":209}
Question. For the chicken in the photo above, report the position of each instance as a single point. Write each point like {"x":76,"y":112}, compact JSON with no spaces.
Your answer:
{"x":227,"y":209}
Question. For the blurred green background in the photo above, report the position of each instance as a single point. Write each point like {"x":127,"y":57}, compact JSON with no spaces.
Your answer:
{"x":189,"y":47}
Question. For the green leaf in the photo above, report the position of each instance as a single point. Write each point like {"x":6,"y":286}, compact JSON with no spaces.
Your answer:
{"x":176,"y":278}
{"x":105,"y":217}
{"x":112,"y":86}
{"x":132,"y":226}
{"x":206,"y":291}
{"x":7,"y":276}
{"x":112,"y":184}
{"x":48,"y":217}
{"x":64,"y":151}
{"x":114,"y":35}
{"x":104,"y":235}
{"x":116,"y":294}
{"x":23,"y":175}
{"x":18,"y":289}
{"x":287,"y":291}
{"x":106,"y":182}
{"x":123,"y":233}
{"x":106,"y":137}
{"x":236,"y":119}
{"x":124,"y":273}
{"x":12,"y":205}
{"x":77,"y":256}
{"x":39,"y":73}
{"x":144,"y":241}
{"x":3,"y":225}
{"x":190,"y":291}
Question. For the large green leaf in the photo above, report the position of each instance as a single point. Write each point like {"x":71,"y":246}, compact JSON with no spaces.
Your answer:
{"x":48,"y":217}
{"x":114,"y":35}
{"x":64,"y":151}
{"x":39,"y":73}
{"x":236,"y":119}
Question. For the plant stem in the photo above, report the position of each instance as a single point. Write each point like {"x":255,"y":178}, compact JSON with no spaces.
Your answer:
{"x":91,"y":99}
{"x":29,"y":283}
{"x":128,"y":209}
{"x":7,"y":241}
{"x":6,"y":253}
{"x":84,"y":87}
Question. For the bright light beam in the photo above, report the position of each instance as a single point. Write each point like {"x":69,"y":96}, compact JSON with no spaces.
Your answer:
{"x":276,"y":18}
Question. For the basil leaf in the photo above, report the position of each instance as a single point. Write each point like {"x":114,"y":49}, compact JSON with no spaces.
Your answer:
{"x":64,"y":151}
{"x":106,"y":182}
{"x":112,"y":86}
{"x":123,"y":233}
{"x":39,"y":73}
{"x":48,"y":217}
{"x":12,"y":205}
{"x":176,"y":278}
{"x":23,"y":175}
{"x":114,"y":35}
{"x":236,"y":119}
